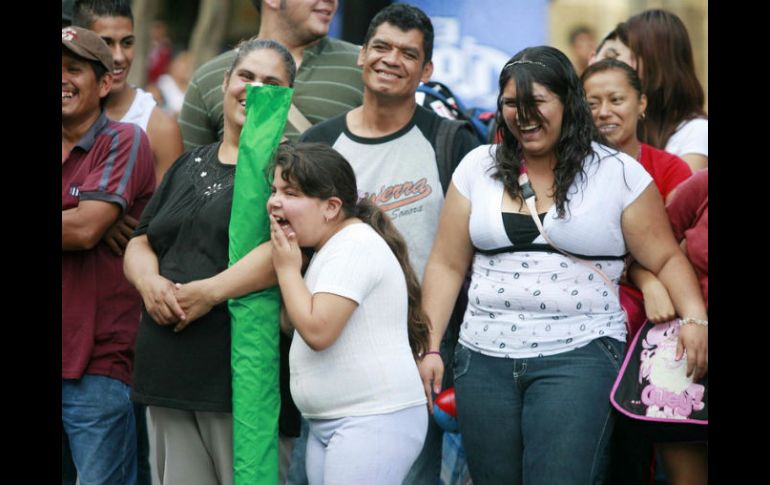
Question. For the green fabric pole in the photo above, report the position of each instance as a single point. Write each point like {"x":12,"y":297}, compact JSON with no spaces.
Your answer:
{"x":254,"y":317}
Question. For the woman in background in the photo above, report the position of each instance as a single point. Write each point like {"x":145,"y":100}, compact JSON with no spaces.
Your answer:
{"x":675,"y":120}
{"x":614,"y":94}
{"x":615,"y":46}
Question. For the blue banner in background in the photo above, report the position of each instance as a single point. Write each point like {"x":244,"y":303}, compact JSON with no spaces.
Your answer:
{"x":474,"y":39}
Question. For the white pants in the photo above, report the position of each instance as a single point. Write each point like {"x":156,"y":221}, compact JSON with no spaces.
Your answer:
{"x":375,"y":450}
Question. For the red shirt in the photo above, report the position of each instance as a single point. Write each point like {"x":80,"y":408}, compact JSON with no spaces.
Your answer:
{"x":667,"y":170}
{"x":688,"y":212}
{"x":100,"y":308}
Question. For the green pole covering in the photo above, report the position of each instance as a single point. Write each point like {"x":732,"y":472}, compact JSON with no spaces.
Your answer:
{"x":255,"y":317}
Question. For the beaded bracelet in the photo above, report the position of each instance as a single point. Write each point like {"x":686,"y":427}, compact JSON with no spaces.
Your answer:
{"x":430,"y":352}
{"x":696,"y":321}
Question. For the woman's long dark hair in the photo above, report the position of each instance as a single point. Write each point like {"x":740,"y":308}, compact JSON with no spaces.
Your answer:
{"x":551,"y":68}
{"x":320,"y":171}
{"x":660,"y":41}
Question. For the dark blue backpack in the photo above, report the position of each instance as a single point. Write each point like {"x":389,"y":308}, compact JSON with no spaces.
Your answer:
{"x":442,"y":101}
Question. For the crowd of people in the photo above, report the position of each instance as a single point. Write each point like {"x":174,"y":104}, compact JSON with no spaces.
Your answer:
{"x":410,"y":258}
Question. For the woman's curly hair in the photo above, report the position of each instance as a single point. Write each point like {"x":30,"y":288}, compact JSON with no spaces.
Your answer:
{"x":552,"y":69}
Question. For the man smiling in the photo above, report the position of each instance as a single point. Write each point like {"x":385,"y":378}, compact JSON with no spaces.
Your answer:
{"x":391,"y":142}
{"x":328,"y":81}
{"x":106,"y":171}
{"x":113,"y":21}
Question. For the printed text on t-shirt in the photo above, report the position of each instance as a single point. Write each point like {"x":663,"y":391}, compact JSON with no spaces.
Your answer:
{"x":399,"y":195}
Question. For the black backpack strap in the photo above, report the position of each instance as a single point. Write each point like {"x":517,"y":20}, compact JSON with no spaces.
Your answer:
{"x":445,"y":138}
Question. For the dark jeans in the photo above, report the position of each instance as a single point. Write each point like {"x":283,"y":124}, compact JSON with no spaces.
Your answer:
{"x":543,"y":420}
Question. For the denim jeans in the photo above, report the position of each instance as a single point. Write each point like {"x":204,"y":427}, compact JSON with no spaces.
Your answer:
{"x":98,"y":419}
{"x":69,"y":475}
{"x":297,"y":474}
{"x":543,"y":420}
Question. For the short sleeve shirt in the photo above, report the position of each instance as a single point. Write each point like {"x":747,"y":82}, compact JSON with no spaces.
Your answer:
{"x":186,"y":223}
{"x":691,"y":136}
{"x":100,"y":309}
{"x":371,"y":358}
{"x":666,"y":169}
{"x":530,"y":303}
{"x":399,"y":173}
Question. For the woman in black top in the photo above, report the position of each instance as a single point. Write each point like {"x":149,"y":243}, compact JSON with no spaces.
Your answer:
{"x":178,"y":260}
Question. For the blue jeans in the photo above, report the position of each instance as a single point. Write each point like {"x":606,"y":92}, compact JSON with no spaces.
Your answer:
{"x":543,"y":420}
{"x":98,"y":419}
{"x":297,"y":475}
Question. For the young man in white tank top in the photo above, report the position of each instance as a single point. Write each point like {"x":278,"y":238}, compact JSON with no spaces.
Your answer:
{"x":113,"y":21}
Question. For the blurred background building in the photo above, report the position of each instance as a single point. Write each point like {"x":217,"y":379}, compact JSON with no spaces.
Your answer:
{"x":474,"y":38}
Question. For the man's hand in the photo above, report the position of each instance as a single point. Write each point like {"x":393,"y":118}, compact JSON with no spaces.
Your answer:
{"x":118,"y":234}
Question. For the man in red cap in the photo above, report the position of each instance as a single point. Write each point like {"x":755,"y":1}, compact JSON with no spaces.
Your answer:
{"x":107,"y":171}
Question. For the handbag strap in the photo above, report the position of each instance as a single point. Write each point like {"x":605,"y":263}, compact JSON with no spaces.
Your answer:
{"x":298,"y":120}
{"x":528,"y":193}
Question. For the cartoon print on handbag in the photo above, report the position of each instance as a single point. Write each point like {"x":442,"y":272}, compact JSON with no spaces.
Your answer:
{"x":669,"y":393}
{"x":653,"y":386}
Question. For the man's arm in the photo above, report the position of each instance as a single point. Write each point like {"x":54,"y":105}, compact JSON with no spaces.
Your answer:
{"x":83,"y":226}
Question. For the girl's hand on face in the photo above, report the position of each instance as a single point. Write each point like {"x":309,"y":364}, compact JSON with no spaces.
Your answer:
{"x":287,"y":256}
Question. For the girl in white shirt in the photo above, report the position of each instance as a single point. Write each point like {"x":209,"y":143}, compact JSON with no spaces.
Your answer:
{"x":356,"y":315}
